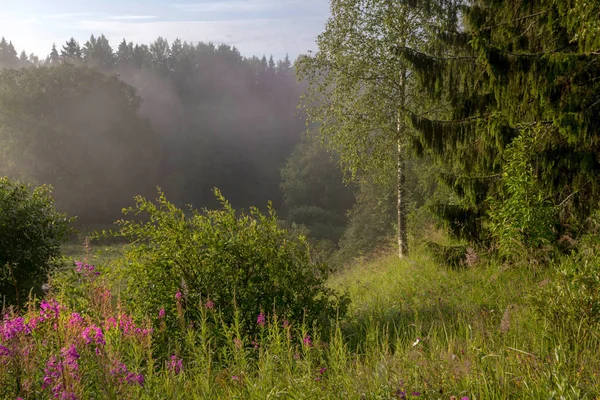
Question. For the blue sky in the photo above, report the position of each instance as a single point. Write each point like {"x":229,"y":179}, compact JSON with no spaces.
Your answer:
{"x":255,"y":27}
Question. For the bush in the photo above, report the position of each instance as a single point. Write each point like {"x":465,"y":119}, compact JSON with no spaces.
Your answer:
{"x":240,"y":264}
{"x":31,"y":232}
{"x":522,"y":218}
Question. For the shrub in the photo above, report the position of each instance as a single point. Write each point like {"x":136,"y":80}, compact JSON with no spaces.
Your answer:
{"x":522,"y":218}
{"x":31,"y":232}
{"x":241,"y":264}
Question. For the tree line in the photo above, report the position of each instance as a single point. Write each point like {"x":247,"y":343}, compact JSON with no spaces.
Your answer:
{"x":102,"y":124}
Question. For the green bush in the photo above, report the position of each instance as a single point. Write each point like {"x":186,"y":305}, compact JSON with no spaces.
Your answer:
{"x":31,"y":232}
{"x":242,"y":264}
{"x":522,"y":218}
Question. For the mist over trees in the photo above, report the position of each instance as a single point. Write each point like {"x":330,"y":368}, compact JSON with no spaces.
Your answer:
{"x":102,"y":124}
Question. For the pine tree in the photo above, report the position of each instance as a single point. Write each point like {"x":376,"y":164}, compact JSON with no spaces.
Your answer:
{"x":8,"y":54}
{"x":517,"y":65}
{"x":71,"y":51}
{"x":98,"y":53}
{"x":125,"y":54}
{"x":53,"y":58}
{"x":23,"y":59}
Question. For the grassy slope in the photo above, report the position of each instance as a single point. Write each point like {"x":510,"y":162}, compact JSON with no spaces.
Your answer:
{"x":478,"y":335}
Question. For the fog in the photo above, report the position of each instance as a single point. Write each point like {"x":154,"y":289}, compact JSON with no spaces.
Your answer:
{"x":102,"y":123}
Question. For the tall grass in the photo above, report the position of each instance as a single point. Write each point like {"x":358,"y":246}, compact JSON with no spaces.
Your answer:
{"x":415,"y":330}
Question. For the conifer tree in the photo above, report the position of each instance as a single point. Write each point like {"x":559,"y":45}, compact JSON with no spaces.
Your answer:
{"x":71,"y":51}
{"x":516,"y":66}
{"x":53,"y":58}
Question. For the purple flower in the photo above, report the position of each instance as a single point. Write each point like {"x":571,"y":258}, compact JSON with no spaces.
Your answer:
{"x":161,"y":313}
{"x":286,"y":324}
{"x":322,"y":370}
{"x":12,"y":327}
{"x":4,"y":351}
{"x":210,"y":305}
{"x":178,"y":296}
{"x":464,"y":398}
{"x":71,"y":356}
{"x":47,"y":309}
{"x":236,"y":341}
{"x":235,"y":378}
{"x":260,"y":320}
{"x":176,"y":364}
{"x":134,"y":378}
{"x":307,"y":341}
{"x":111,"y":322}
{"x":93,"y":334}
{"x":75,"y":319}
{"x":415,"y":394}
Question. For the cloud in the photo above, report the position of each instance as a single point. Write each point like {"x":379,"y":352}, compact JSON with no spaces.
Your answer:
{"x":252,"y":37}
{"x":236,"y":5}
{"x":64,"y":15}
{"x":131,"y":17}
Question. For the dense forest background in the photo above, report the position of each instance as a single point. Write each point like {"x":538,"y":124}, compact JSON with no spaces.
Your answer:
{"x":101,"y":125}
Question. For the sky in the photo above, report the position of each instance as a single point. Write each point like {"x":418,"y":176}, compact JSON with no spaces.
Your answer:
{"x":255,"y":27}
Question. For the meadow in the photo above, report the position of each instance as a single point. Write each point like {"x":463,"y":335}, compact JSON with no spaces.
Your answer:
{"x":414,"y":329}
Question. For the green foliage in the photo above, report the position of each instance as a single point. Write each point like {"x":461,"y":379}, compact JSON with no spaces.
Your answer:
{"x":79,"y":130}
{"x":31,"y":232}
{"x":511,"y":66}
{"x":371,"y":221}
{"x":521,"y":217}
{"x":313,"y":191}
{"x":243,"y":261}
{"x":570,"y":300}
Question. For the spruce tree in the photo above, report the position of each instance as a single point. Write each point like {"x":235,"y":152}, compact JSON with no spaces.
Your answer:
{"x":516,"y":66}
{"x":71,"y":51}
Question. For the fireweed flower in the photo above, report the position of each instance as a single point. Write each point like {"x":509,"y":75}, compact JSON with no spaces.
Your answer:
{"x":260,"y":320}
{"x":236,"y":341}
{"x":175,"y":365}
{"x":111,"y":322}
{"x":5,"y":351}
{"x":161,"y":313}
{"x":210,"y":305}
{"x":70,"y":357}
{"x":12,"y":327}
{"x":322,"y":370}
{"x":286,"y":324}
{"x":307,"y":341}
{"x":75,"y":319}
{"x":50,"y":309}
{"x":93,"y":334}
{"x":178,"y":296}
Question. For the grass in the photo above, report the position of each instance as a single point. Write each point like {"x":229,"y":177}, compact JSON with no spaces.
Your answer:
{"x":415,"y":329}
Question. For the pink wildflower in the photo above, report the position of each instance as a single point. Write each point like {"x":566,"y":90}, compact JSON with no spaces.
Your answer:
{"x":176,"y":364}
{"x":210,"y":305}
{"x":260,"y":320}
{"x":307,"y":341}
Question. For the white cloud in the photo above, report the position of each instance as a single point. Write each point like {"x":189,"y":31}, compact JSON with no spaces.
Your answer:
{"x":252,"y":37}
{"x":237,"y":6}
{"x":131,"y":17}
{"x":64,"y":16}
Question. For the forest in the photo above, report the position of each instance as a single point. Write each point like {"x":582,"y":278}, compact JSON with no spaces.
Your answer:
{"x":410,"y":211}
